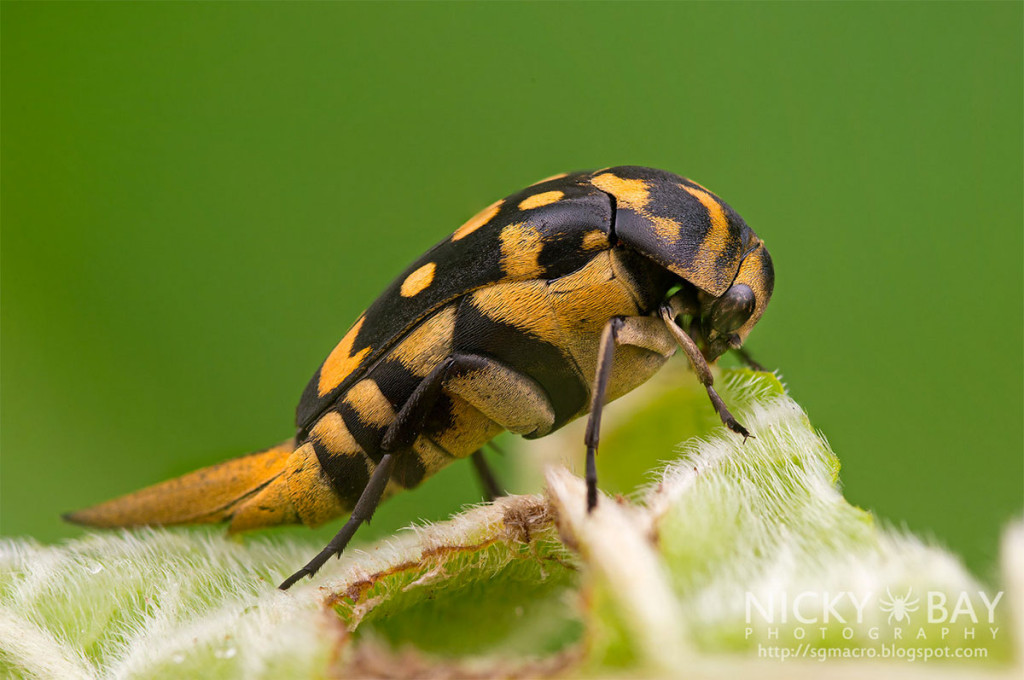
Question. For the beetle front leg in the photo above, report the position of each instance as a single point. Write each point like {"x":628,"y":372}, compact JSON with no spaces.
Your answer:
{"x":700,"y":366}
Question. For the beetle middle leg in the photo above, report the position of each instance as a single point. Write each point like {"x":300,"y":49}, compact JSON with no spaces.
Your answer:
{"x":700,"y":366}
{"x":643,"y":333}
{"x":605,"y":357}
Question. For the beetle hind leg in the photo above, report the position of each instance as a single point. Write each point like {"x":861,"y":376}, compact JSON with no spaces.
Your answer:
{"x":363,"y":511}
{"x":397,"y":443}
{"x":488,"y":386}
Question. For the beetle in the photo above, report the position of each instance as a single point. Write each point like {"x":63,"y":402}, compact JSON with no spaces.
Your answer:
{"x":539,"y":310}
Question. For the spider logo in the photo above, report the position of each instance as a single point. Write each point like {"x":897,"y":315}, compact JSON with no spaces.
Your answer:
{"x":899,"y":608}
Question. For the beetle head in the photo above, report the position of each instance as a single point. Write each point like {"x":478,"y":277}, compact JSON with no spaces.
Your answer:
{"x":725,"y":321}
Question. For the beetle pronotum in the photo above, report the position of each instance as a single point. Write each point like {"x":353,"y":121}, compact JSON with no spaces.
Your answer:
{"x":538,"y":310}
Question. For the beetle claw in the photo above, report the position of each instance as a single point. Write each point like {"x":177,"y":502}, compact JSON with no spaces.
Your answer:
{"x":734,"y":425}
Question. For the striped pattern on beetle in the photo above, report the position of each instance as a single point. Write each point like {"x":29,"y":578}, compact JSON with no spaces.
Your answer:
{"x":538,"y":310}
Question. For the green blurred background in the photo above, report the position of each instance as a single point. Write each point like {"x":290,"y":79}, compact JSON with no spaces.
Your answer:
{"x":198,"y":199}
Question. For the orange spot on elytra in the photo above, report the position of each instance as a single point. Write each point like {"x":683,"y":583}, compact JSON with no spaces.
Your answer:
{"x":477,"y":221}
{"x":341,"y":361}
{"x":540,"y":200}
{"x":419,"y":280}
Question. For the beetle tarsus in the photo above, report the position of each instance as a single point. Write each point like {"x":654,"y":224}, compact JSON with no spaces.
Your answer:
{"x":591,"y":478}
{"x":733,"y":425}
{"x":295,"y":578}
{"x":727,"y":418}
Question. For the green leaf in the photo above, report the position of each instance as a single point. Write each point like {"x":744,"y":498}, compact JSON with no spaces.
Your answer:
{"x":696,"y":572}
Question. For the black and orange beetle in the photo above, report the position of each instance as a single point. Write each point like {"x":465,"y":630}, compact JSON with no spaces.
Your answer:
{"x":538,"y":310}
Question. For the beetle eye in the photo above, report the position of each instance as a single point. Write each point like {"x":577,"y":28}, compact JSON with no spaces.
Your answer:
{"x":733,"y":309}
